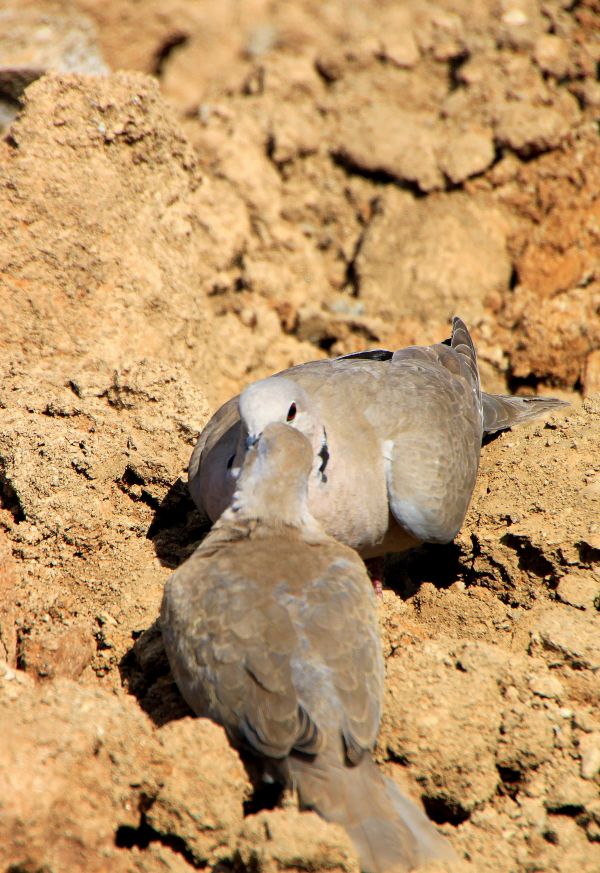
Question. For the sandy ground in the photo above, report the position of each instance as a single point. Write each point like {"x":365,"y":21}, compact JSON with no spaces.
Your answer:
{"x":251,"y":186}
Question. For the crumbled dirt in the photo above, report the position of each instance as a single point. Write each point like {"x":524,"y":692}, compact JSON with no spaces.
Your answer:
{"x":269,"y":184}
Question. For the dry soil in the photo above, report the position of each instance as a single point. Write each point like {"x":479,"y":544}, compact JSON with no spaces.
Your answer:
{"x":192,"y":196}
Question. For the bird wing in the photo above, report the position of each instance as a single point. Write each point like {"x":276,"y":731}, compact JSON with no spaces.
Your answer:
{"x":433,"y":425}
{"x":209,"y":482}
{"x":230,"y":645}
{"x":339,"y":632}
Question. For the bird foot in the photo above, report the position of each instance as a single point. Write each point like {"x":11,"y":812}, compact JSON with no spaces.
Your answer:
{"x":375,"y":571}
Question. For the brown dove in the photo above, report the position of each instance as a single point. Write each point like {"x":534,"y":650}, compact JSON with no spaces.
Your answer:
{"x":270,"y":628}
{"x":398,"y":435}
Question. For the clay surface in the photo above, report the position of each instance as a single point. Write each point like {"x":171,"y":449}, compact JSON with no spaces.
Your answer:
{"x":194,"y":196}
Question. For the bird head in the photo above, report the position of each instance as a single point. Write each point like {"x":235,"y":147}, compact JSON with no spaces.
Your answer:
{"x":273,"y":481}
{"x":278,"y":400}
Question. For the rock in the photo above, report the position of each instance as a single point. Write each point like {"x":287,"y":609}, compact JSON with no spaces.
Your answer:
{"x":534,"y":812}
{"x":589,"y":750}
{"x":401,"y":49}
{"x":547,"y":686}
{"x":527,"y":737}
{"x":579,"y":590}
{"x":430,"y":734}
{"x":279,"y":840}
{"x":551,"y":54}
{"x":569,"y":791}
{"x":198,"y":801}
{"x":443,"y":235}
{"x":530,"y":129}
{"x":383,"y":139}
{"x":467,"y":154}
{"x":50,"y":653}
{"x":575,"y":642}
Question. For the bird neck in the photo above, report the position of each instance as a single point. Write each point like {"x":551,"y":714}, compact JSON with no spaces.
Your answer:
{"x":270,"y":501}
{"x":276,"y":505}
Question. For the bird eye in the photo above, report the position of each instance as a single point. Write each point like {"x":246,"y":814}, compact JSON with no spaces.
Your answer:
{"x":291,"y":412}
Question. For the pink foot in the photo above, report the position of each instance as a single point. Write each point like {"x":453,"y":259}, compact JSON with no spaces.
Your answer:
{"x":375,"y":571}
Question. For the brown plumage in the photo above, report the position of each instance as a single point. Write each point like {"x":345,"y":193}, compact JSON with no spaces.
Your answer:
{"x":271,"y":630}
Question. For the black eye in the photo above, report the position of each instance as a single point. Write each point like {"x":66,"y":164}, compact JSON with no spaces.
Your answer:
{"x":291,"y":412}
{"x":230,"y":462}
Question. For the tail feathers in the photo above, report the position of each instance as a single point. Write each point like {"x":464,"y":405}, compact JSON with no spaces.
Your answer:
{"x":390,"y":834}
{"x":432,"y":845}
{"x":462,"y":344}
{"x":501,"y":411}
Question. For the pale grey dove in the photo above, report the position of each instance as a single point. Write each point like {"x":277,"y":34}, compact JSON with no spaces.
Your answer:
{"x":397,"y":436}
{"x":271,"y":630}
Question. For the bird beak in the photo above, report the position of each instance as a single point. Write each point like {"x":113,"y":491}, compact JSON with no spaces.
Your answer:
{"x":251,"y":440}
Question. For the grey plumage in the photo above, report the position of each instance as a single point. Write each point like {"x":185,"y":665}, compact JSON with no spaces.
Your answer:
{"x":397,"y":436}
{"x":501,"y":411}
{"x":271,"y":630}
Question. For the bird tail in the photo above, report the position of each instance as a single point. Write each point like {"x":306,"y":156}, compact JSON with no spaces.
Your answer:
{"x":501,"y":411}
{"x":388,"y":830}
{"x":462,"y":344}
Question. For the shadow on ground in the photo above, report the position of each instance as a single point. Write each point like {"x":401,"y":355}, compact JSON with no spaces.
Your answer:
{"x":178,"y":527}
{"x":441,"y":565}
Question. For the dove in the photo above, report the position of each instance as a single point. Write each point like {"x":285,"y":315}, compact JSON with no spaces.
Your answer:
{"x":270,"y":629}
{"x":398,"y":435}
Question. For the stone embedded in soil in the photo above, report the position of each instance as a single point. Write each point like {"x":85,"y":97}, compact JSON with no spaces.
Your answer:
{"x":467,"y":154}
{"x":576,"y":642}
{"x":73,"y":776}
{"x":412,"y":246}
{"x":589,"y":751}
{"x":547,"y":686}
{"x":530,"y":129}
{"x":285,"y":839}
{"x":568,"y":790}
{"x":383,"y":139}
{"x":401,"y":49}
{"x":429,"y":733}
{"x":551,"y":54}
{"x":527,"y":739}
{"x":199,"y":802}
{"x":579,"y":590}
{"x":50,"y":653}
